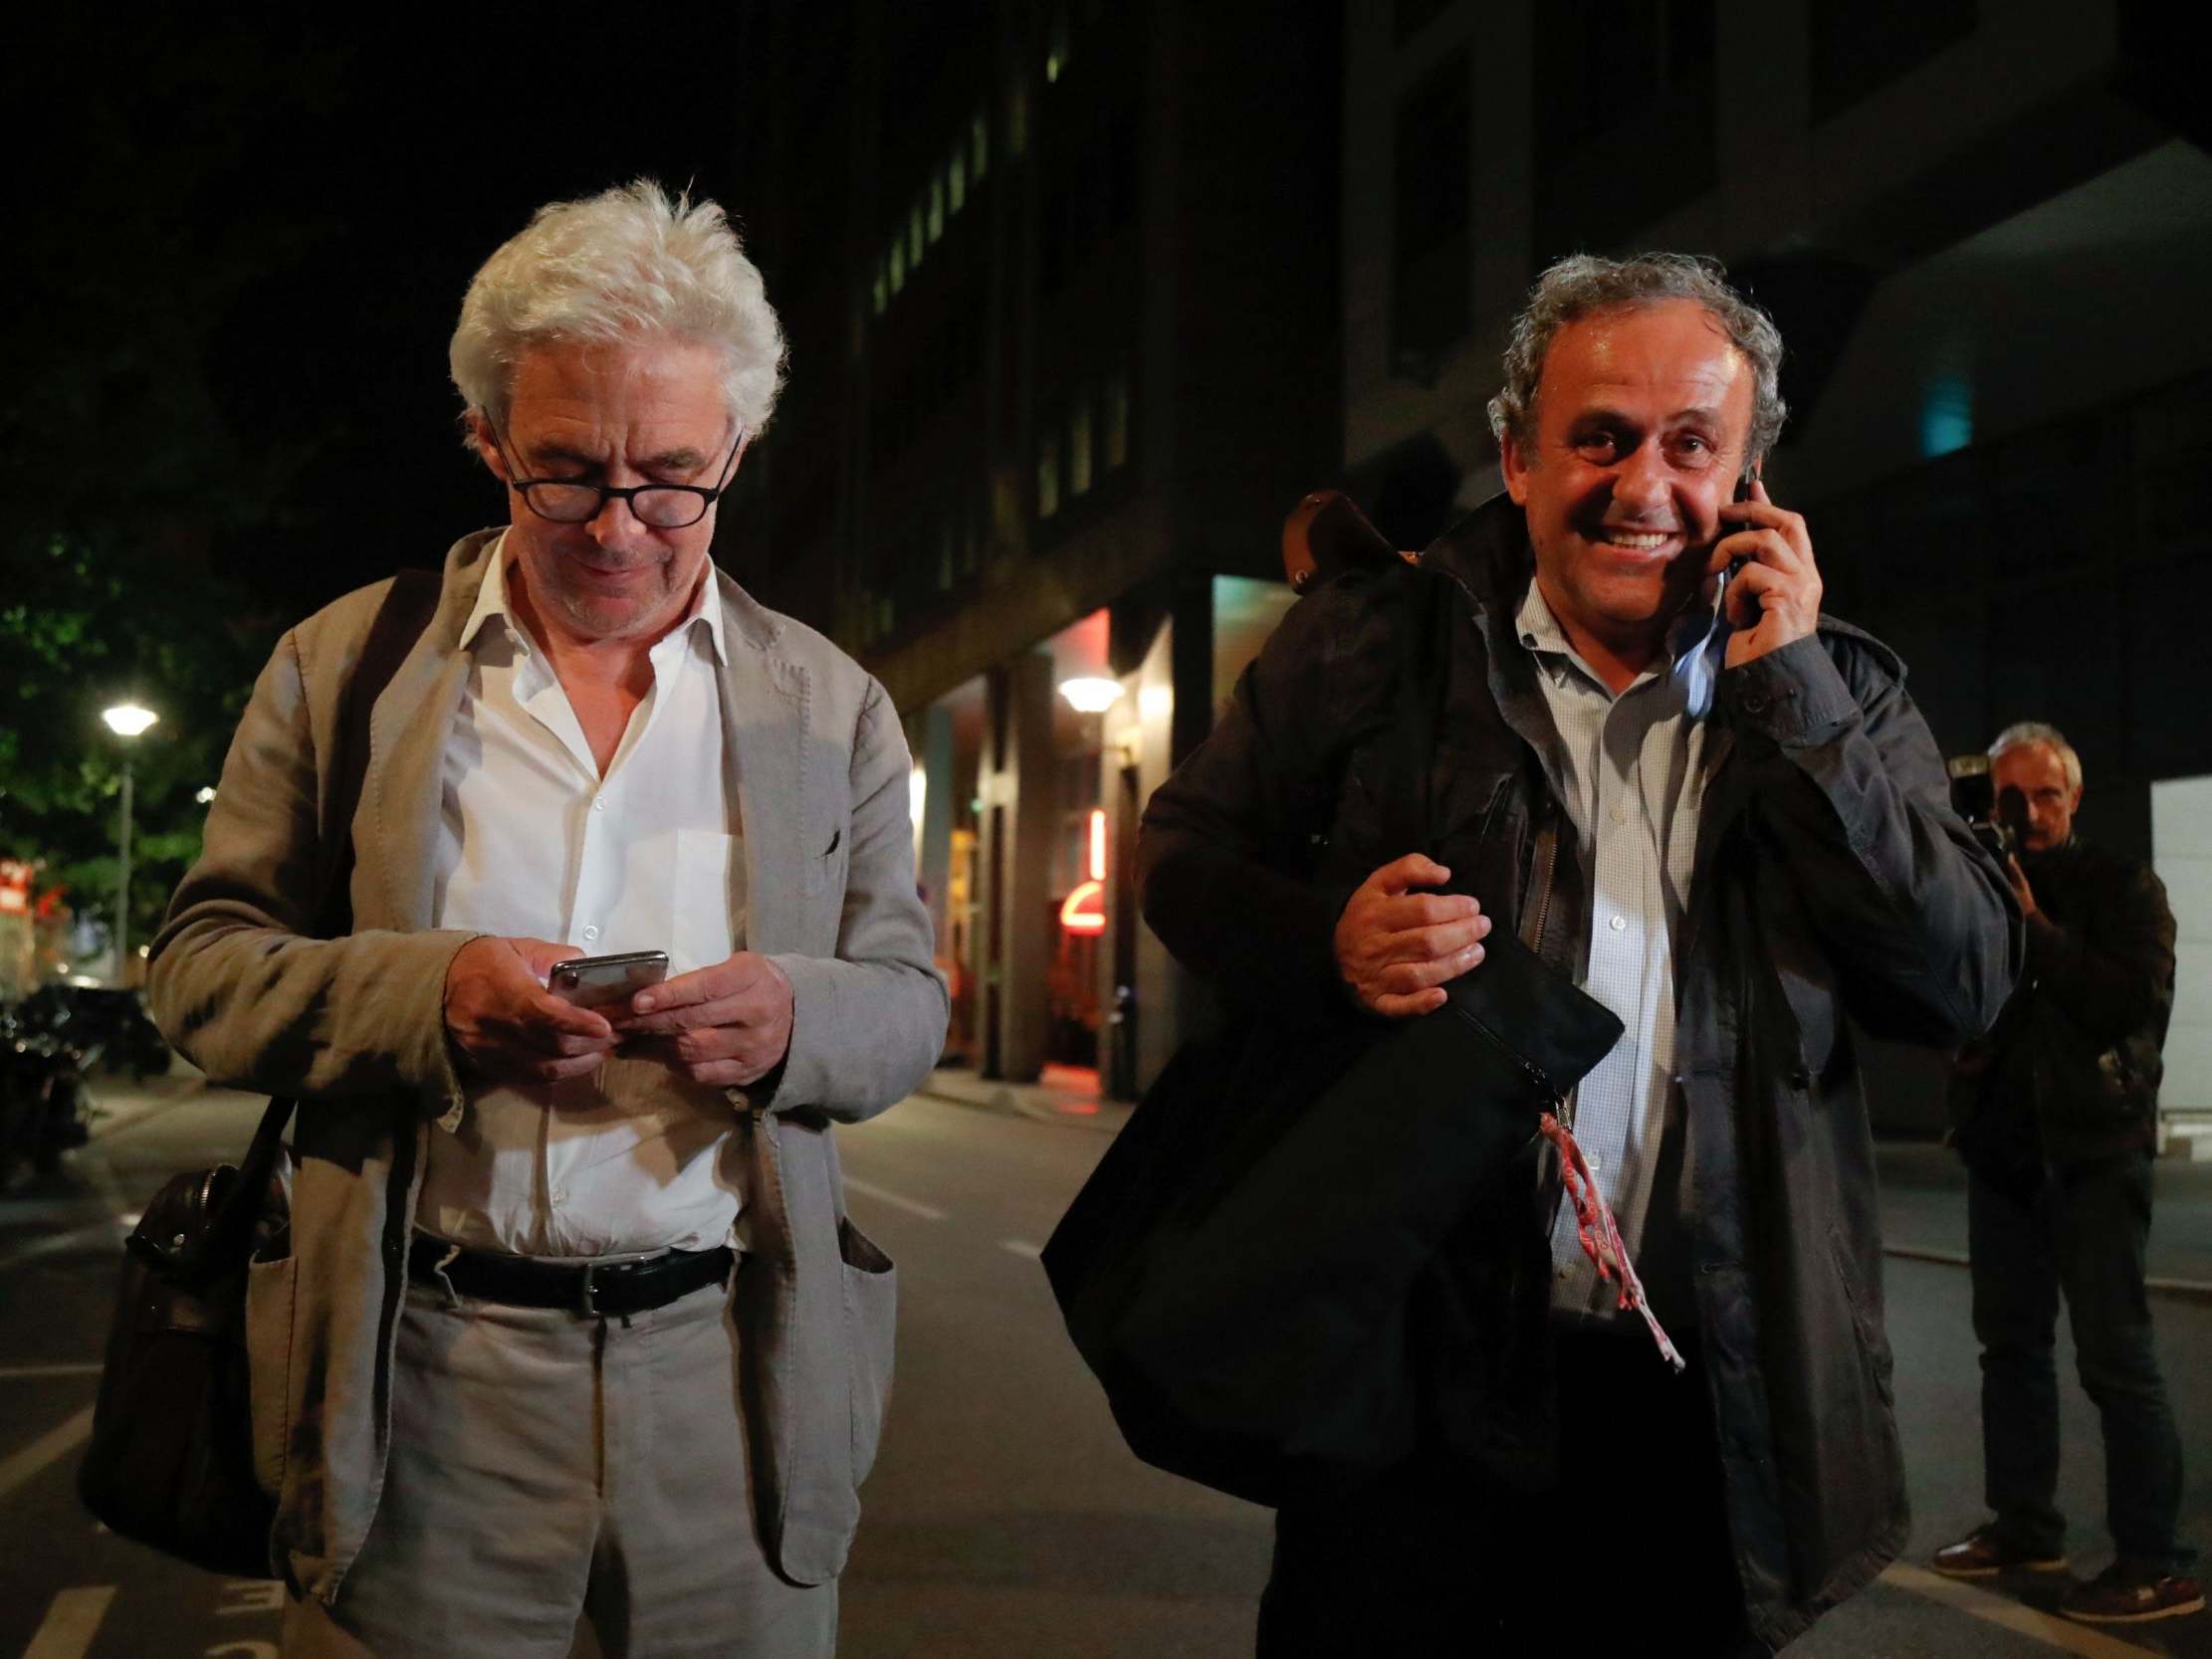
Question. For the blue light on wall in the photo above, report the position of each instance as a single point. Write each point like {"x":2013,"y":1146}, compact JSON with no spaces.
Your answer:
{"x":1946,"y":414}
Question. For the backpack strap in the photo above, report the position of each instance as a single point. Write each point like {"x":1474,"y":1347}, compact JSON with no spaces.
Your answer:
{"x":405,"y":611}
{"x":403,"y":616}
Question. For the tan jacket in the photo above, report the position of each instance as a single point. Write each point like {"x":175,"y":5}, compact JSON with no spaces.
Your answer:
{"x":355,"y":1026}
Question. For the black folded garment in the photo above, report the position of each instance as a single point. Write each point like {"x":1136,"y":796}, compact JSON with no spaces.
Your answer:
{"x":1240,"y":1268}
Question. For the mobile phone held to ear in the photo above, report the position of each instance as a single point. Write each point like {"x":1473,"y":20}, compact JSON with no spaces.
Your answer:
{"x":601,"y":982}
{"x":1743,"y":494}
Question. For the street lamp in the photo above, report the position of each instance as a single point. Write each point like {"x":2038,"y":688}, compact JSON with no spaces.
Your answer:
{"x":127,"y":721}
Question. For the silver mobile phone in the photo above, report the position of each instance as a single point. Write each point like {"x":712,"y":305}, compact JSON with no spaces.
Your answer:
{"x":599,"y":981}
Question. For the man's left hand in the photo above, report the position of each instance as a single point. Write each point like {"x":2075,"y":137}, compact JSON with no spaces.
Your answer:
{"x":725,"y":1026}
{"x":1776,"y":596}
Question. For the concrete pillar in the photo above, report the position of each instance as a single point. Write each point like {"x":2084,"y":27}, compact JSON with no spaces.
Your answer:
{"x":1014,"y":940}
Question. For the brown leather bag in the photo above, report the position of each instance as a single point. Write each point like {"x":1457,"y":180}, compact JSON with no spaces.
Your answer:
{"x":170,"y":1461}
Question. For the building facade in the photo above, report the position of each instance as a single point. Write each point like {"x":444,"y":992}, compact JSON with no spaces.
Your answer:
{"x":1060,"y":283}
{"x":1981,"y":225}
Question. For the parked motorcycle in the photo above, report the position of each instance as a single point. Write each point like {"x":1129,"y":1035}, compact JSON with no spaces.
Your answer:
{"x":44,"y":1107}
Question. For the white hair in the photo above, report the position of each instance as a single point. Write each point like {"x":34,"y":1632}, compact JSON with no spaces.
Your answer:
{"x":627,"y":263}
{"x":2034,"y":732}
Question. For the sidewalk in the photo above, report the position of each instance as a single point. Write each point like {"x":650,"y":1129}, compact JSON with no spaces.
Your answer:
{"x":1923,"y":1213}
{"x":1066,"y":1095}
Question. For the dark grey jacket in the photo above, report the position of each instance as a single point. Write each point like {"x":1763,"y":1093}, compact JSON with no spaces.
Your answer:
{"x":2072,"y":1071}
{"x":1831,"y":875}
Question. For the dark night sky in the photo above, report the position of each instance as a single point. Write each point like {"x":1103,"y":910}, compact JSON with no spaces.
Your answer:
{"x":336,"y":185}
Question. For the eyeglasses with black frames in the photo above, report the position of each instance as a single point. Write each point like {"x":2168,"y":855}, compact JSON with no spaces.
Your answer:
{"x":661,"y":507}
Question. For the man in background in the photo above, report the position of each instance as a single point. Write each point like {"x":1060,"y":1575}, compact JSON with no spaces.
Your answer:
{"x":2056,"y":1113}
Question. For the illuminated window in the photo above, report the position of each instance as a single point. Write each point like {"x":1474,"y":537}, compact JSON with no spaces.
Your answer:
{"x":1079,"y":445}
{"x":880,"y":288}
{"x":898,"y":264}
{"x":1055,"y":56}
{"x":914,"y":237}
{"x":1048,"y":472}
{"x":956,"y":181}
{"x":978,"y":147}
{"x":1117,"y":420}
{"x":937,"y":207}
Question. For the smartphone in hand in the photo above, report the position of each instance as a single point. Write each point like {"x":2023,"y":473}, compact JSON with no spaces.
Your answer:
{"x":605,"y":981}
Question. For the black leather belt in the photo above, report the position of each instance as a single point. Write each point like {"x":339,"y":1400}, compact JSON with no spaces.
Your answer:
{"x":593,"y":1289}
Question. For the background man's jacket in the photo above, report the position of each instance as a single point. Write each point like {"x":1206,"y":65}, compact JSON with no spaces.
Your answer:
{"x":356,"y":1027}
{"x":1831,"y":875}
{"x":2072,"y":1068}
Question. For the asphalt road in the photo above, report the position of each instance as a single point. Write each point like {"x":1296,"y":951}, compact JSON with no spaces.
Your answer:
{"x":1003,"y":1518}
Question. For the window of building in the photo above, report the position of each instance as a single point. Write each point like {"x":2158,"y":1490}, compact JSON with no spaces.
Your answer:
{"x":898,"y":264}
{"x":956,"y":181}
{"x":1117,"y":420}
{"x":914,"y":236}
{"x":1079,"y":446}
{"x":1055,"y":54}
{"x":937,"y":207}
{"x":879,"y":289}
{"x":1859,"y":48}
{"x":1432,"y":202}
{"x":1410,"y":17}
{"x":1049,"y":470}
{"x":979,"y":145}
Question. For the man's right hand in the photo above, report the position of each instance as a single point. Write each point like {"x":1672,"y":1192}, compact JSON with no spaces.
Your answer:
{"x":503,"y":1022}
{"x":1395,"y":949}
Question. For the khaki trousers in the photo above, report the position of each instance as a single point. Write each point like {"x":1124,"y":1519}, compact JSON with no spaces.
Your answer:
{"x":548,"y":1468}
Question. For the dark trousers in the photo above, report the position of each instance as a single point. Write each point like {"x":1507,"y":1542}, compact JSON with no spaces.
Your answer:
{"x":2083,"y":1232}
{"x":1628,"y":1552}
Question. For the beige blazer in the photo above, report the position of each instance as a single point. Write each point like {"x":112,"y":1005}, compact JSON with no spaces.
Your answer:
{"x":355,"y":1026}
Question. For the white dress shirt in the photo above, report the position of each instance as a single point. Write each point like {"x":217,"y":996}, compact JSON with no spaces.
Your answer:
{"x":535,"y":844}
{"x":1634,"y":789}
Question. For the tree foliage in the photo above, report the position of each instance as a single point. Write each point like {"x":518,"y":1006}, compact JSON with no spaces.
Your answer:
{"x":123,"y":453}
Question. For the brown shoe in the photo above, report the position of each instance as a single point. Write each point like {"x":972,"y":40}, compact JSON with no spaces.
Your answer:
{"x":1984,"y":1555}
{"x":2123,"y":1595}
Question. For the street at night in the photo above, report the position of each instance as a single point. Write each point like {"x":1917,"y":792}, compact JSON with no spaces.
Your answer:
{"x":1004,"y":1520}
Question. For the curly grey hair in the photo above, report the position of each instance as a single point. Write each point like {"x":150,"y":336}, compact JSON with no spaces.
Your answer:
{"x":630,"y":262}
{"x":1582,"y":285}
{"x":2036,"y":732}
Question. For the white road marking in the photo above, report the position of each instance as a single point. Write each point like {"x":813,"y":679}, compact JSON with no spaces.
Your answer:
{"x":16,"y":1374}
{"x":111,"y":1231}
{"x":1022,"y":1247}
{"x":70,"y":1623}
{"x":50,"y":1448}
{"x":928,"y":1212}
{"x":2015,"y":1616}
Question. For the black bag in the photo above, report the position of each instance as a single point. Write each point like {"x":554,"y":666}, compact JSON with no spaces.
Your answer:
{"x":170,"y":1460}
{"x":1239,"y":1270}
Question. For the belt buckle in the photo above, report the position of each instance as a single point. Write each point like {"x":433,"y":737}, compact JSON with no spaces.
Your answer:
{"x":586,"y":1299}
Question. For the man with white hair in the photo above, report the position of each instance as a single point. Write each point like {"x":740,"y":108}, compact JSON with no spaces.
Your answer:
{"x":572,"y":1324}
{"x":2057,"y":1113}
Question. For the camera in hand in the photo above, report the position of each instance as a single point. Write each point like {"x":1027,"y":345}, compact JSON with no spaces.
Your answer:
{"x":1999,"y":820}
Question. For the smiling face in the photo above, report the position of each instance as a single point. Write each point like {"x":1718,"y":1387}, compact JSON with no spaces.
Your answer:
{"x":1642,"y":420}
{"x":646,"y":412}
